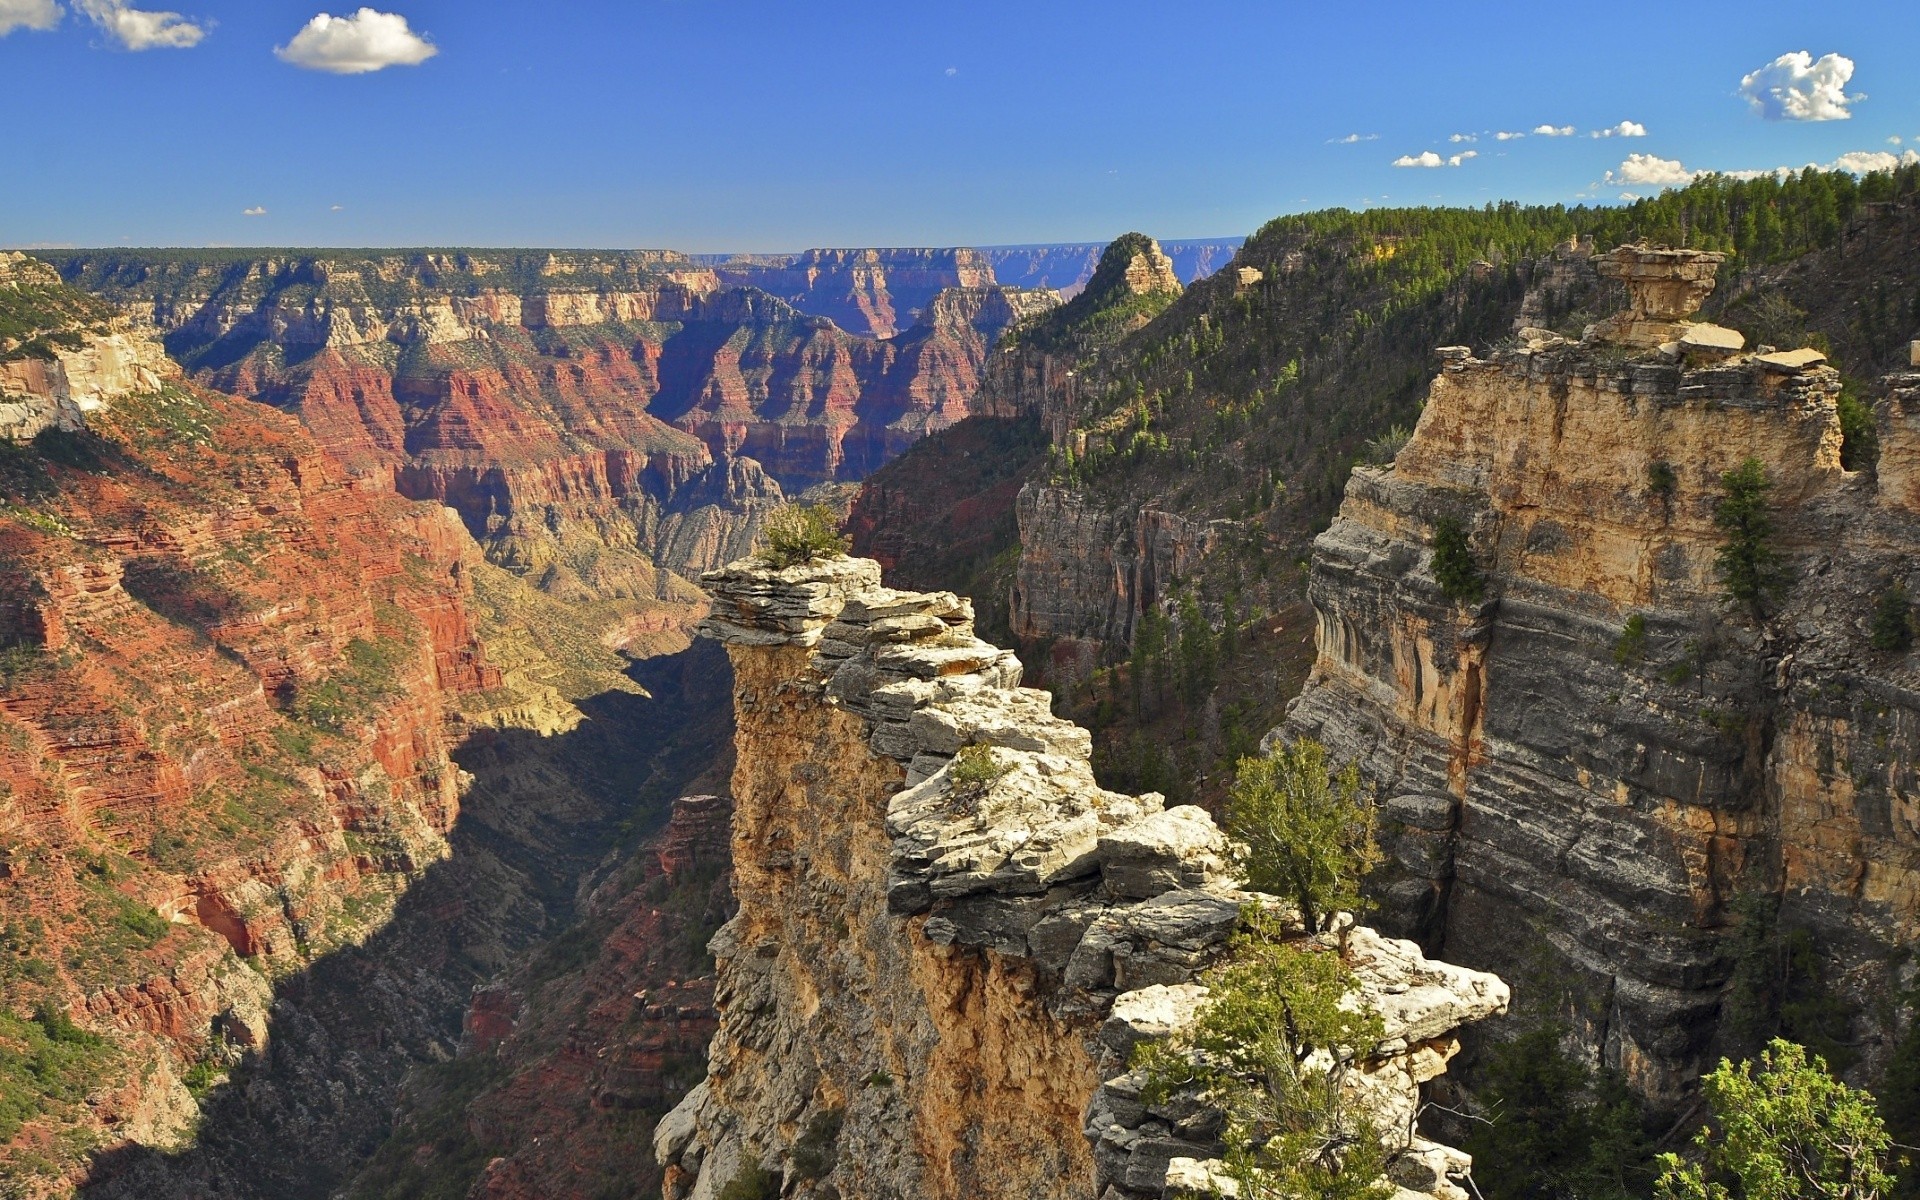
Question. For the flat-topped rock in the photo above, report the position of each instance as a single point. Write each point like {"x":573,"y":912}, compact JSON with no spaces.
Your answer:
{"x":755,"y":604}
{"x":1792,"y":362}
{"x":1712,"y":339}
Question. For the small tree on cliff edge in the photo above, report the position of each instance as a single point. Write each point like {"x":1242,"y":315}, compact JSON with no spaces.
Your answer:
{"x":1749,"y":567}
{"x":798,"y":533}
{"x":1303,"y":832}
{"x":1785,"y":1131}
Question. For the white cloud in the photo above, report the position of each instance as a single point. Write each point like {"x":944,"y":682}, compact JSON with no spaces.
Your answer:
{"x":1629,"y":196}
{"x":1353,"y":139}
{"x":1862,"y":162}
{"x":1554,"y":130}
{"x":336,"y":208}
{"x":1623,"y":129}
{"x":952,"y":71}
{"x":1794,"y":87}
{"x":1464,"y":137}
{"x":28,"y":14}
{"x":255,"y":211}
{"x":366,"y":41}
{"x":1893,"y":141}
{"x":1653,"y":170}
{"x":141,"y":29}
{"x":1508,"y":135}
{"x":1427,"y":158}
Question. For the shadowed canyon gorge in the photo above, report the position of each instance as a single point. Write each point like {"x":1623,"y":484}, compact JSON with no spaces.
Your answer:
{"x":415,"y":787}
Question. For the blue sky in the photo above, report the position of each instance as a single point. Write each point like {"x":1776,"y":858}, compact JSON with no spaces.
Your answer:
{"x":710,"y":125}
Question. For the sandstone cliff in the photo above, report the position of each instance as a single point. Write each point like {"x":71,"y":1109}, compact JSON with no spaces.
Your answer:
{"x":927,"y":983}
{"x":1585,"y":767}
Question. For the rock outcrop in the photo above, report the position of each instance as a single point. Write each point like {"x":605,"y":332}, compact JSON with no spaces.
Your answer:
{"x":52,"y":382}
{"x":1585,"y":765}
{"x":936,"y":967}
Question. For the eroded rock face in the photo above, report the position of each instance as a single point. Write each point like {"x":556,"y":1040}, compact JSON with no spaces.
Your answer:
{"x":919,"y":994}
{"x":61,"y":381}
{"x":1569,"y":800}
{"x":599,"y":421}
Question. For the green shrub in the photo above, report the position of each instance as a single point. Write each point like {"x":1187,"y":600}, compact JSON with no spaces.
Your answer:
{"x":1749,"y":567}
{"x":1778,"y":990}
{"x":799,"y":533}
{"x":751,"y":1182}
{"x":1453,"y":566}
{"x":1271,"y":1050}
{"x":1302,"y":831}
{"x":1899,"y":1097}
{"x":1785,"y":1130}
{"x":1893,"y":621}
{"x":974,"y":769}
{"x":1661,"y":479}
{"x":1859,"y":437}
{"x":1382,"y":450}
{"x":1632,"y":645}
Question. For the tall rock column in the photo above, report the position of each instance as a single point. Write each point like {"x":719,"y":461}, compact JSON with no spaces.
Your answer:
{"x":935,"y":973}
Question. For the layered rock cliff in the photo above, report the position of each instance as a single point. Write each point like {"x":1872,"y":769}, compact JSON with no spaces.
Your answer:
{"x":600,"y":422}
{"x":229,"y":688}
{"x":932,"y":984}
{"x":1588,"y":762}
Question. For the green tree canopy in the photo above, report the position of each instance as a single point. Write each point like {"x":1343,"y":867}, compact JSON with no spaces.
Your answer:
{"x":1782,"y":1129}
{"x":1302,"y":831}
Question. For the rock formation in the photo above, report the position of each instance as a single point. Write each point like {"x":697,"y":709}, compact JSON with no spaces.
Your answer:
{"x":230,"y":682}
{"x":933,"y":973}
{"x":600,"y":422}
{"x":1582,"y":767}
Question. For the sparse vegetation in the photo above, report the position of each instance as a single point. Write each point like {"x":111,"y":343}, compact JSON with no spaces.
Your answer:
{"x":1382,"y":450}
{"x":818,"y":1148}
{"x":1453,"y":566}
{"x":1632,"y":644}
{"x":800,"y":533}
{"x":1662,"y":481}
{"x":1305,"y":831}
{"x":1859,"y":436}
{"x":1892,"y":629}
{"x":752,"y":1182}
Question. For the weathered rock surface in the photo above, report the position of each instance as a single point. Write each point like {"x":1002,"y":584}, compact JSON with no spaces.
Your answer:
{"x":1566,"y":800}
{"x":932,"y":973}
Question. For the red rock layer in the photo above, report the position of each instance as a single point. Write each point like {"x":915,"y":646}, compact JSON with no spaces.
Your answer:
{"x":226,"y":683}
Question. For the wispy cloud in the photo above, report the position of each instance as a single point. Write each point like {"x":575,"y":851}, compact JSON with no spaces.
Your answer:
{"x":255,"y":211}
{"x":28,"y":14}
{"x":1554,"y":130}
{"x":1353,"y":139}
{"x":1508,"y":135}
{"x":366,"y":41}
{"x":1464,"y":137}
{"x":1429,"y":159}
{"x":1623,"y":129}
{"x":142,"y":29}
{"x":1795,"y":87}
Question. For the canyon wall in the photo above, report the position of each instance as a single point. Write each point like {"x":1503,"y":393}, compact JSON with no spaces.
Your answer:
{"x":932,"y":984}
{"x":230,"y":682}
{"x":604,"y":424}
{"x":1584,"y":766}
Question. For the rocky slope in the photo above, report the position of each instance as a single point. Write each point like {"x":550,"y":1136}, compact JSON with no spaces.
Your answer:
{"x":1587,"y":765}
{"x":600,"y":422}
{"x":927,"y":982}
{"x":228,"y":703}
